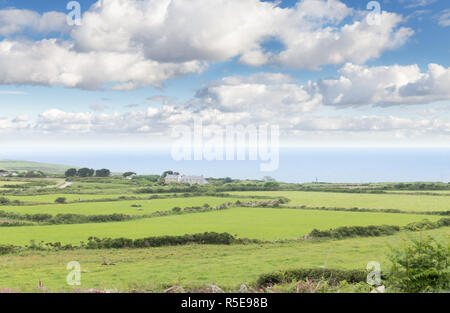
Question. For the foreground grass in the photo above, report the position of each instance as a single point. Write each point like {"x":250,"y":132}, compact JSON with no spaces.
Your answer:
{"x":191,"y":266}
{"x":254,"y":223}
{"x":405,"y":202}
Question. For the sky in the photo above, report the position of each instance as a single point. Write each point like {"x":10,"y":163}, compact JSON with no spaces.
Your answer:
{"x":327,"y":72}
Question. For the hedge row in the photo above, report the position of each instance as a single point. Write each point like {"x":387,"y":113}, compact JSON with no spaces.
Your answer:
{"x":65,"y":218}
{"x":376,"y":231}
{"x":333,"y":276}
{"x":118,"y":243}
{"x":427,"y":224}
{"x":355,"y":231}
{"x":304,"y":207}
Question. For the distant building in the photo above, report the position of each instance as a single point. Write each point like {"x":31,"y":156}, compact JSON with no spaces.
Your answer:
{"x":182,"y":179}
{"x":131,"y":176}
{"x":8,"y":174}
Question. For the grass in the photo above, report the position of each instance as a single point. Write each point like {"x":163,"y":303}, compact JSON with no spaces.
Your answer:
{"x":123,"y":206}
{"x":23,"y":166}
{"x":70,"y":197}
{"x":413,"y":203}
{"x":255,"y":223}
{"x":227,"y":266}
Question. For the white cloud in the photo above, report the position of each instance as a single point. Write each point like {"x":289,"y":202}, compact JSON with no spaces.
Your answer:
{"x":357,"y":85}
{"x":259,"y":94}
{"x":51,"y":62}
{"x":444,"y":18}
{"x":165,"y":39}
{"x":417,"y":3}
{"x":14,"y":21}
{"x":385,"y":85}
{"x":12,"y":92}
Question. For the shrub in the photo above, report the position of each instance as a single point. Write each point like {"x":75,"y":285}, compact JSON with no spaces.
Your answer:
{"x":353,"y":231}
{"x":4,"y":200}
{"x":421,"y":266}
{"x":60,"y":200}
{"x":333,"y":276}
{"x":176,"y":209}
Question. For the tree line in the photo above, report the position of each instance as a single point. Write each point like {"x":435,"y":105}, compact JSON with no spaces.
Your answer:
{"x":87,"y":172}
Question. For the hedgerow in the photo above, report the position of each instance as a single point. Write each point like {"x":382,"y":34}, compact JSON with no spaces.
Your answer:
{"x":333,"y":276}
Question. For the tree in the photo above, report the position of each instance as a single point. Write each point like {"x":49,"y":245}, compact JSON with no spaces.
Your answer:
{"x":423,"y":265}
{"x":4,"y":200}
{"x":103,"y":173}
{"x":60,"y":200}
{"x":71,"y":172}
{"x":126,"y":174}
{"x":85,"y":172}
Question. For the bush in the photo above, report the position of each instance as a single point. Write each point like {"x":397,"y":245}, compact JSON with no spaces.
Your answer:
{"x":420,"y":266}
{"x":60,"y":200}
{"x":4,"y":200}
{"x":333,"y":276}
{"x":353,"y":231}
{"x":205,"y":238}
{"x":176,"y":209}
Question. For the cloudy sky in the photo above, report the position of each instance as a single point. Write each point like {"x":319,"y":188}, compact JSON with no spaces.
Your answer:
{"x":328,"y":72}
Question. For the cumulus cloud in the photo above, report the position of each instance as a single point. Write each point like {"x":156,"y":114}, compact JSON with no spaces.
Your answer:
{"x":165,"y":39}
{"x":260,"y":94}
{"x":51,"y":62}
{"x":357,"y":85}
{"x":14,"y":21}
{"x":159,"y":121}
{"x":385,"y":85}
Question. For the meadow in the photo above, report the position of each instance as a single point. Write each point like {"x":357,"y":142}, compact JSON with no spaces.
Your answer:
{"x":120,"y":206}
{"x":281,"y":229}
{"x":253,"y":223}
{"x":193,"y":266}
{"x":409,"y":203}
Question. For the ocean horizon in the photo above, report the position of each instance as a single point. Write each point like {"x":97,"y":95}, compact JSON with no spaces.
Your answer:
{"x":296,"y":165}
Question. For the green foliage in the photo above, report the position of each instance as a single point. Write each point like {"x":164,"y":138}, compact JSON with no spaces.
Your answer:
{"x":60,"y":200}
{"x":4,"y":201}
{"x":423,"y":265}
{"x":85,"y":172}
{"x":71,"y":172}
{"x":205,"y":238}
{"x":103,"y":173}
{"x":333,"y":276}
{"x":353,"y":231}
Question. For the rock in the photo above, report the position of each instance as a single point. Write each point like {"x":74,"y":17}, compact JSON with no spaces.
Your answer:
{"x":215,"y":289}
{"x":243,"y":288}
{"x":175,"y":289}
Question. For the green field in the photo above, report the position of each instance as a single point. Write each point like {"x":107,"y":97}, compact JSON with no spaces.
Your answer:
{"x":121,"y":207}
{"x":196,"y":265}
{"x":22,"y":166}
{"x":254,"y":223}
{"x":410,"y":203}
{"x":282,"y":230}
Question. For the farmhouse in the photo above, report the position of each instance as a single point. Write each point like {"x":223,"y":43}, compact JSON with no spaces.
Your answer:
{"x":182,"y":179}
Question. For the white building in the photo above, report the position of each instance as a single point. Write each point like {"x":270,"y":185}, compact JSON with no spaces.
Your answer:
{"x":182,"y":179}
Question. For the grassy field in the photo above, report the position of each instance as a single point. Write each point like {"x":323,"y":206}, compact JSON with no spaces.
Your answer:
{"x":196,"y":265}
{"x":254,"y":223}
{"x":411,"y":203}
{"x":154,"y":269}
{"x":22,"y":166}
{"x":122,"y":207}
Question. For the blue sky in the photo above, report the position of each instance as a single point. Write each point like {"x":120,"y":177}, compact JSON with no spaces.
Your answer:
{"x":287,"y":71}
